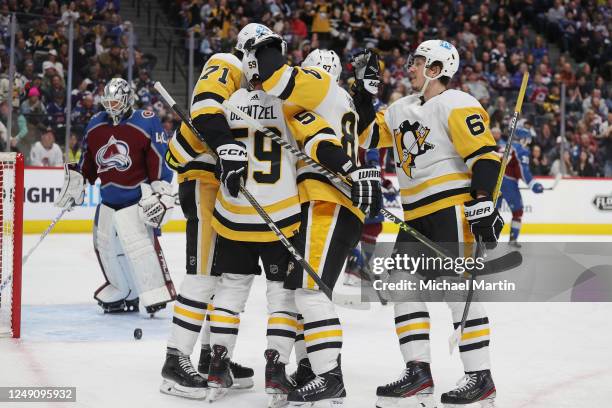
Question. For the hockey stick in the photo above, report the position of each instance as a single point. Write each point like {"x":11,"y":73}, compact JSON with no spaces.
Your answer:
{"x":42,"y":236}
{"x":262,"y":213}
{"x":505,"y":262}
{"x":554,"y":184}
{"x":458,"y":333}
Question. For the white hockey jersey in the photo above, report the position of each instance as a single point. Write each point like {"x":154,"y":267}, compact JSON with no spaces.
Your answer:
{"x":435,"y":146}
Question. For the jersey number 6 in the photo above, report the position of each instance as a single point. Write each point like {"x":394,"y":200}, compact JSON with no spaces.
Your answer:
{"x":475,"y":123}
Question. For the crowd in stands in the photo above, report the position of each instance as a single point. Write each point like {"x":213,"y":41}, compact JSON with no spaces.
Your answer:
{"x":497,"y":42}
{"x":41,"y":71}
{"x":561,"y":43}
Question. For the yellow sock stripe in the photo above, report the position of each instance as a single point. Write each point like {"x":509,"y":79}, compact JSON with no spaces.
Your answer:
{"x":413,"y":326}
{"x":323,"y":335}
{"x":210,"y":307}
{"x":474,"y":334}
{"x":188,"y":313}
{"x":224,"y":319}
{"x":283,"y":320}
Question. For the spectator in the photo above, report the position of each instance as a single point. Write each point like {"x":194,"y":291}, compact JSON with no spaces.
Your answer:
{"x":584,"y":168}
{"x":33,"y":105}
{"x":111,"y":63}
{"x":539,"y":164}
{"x":83,"y":112}
{"x":53,"y":61}
{"x":46,"y":153}
{"x":74,"y":149}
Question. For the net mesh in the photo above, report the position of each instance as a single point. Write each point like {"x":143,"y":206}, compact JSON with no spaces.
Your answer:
{"x":7,"y":217}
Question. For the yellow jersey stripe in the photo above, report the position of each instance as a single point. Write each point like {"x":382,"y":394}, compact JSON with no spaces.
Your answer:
{"x":188,"y":313}
{"x":323,"y":335}
{"x":249,"y":210}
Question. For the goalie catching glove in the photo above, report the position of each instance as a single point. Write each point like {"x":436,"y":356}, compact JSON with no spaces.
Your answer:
{"x":232,"y":166}
{"x":156,"y":203}
{"x":367,"y":71}
{"x":366,"y":192}
{"x":73,"y":190}
{"x":485,"y":222}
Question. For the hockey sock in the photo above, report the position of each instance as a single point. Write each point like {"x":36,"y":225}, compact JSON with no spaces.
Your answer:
{"x":515,"y":226}
{"x":224,"y":326}
{"x":282,"y":321}
{"x":205,"y":339}
{"x":322,"y":329}
{"x":189,"y":312}
{"x":230,"y":297}
{"x":300,"y":346}
{"x":412,"y":328}
{"x":474,"y":343}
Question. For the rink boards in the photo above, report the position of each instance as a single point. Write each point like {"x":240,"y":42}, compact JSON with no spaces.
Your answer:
{"x":574,"y":206}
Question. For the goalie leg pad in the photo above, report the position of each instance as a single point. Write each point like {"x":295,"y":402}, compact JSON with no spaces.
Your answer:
{"x":144,"y":255}
{"x":190,"y":311}
{"x":117,"y":286}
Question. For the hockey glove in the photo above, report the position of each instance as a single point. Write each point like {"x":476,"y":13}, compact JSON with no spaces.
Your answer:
{"x":232,"y":166}
{"x":156,"y":204}
{"x":367,"y":72}
{"x":536,"y":187}
{"x":485,"y":222}
{"x":73,"y":190}
{"x":366,"y":192}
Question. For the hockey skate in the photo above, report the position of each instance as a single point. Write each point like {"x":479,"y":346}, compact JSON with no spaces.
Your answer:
{"x":303,"y":374}
{"x":514,"y":243}
{"x":243,"y":376}
{"x":278,"y":385}
{"x":219,"y":374}
{"x":325,"y":388}
{"x":474,"y":389}
{"x":120,"y":306}
{"x":180,"y":377}
{"x":413,"y":388}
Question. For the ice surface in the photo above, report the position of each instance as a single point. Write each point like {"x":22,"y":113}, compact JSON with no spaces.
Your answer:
{"x":544,"y":355}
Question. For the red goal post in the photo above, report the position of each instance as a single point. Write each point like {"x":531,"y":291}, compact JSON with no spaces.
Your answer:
{"x":11,"y":234}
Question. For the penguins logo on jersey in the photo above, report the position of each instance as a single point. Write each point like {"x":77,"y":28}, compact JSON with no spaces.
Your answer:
{"x":410,"y":142}
{"x":115,"y":154}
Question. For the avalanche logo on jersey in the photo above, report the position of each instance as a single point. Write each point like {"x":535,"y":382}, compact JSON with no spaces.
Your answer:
{"x":115,"y":154}
{"x":410,"y":142}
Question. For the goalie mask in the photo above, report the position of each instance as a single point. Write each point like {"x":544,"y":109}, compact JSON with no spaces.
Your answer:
{"x":117,"y":99}
{"x":326,"y":59}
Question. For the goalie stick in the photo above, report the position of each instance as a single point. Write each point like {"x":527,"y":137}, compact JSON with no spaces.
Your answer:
{"x":338,"y":299}
{"x":458,"y":333}
{"x":503,"y":263}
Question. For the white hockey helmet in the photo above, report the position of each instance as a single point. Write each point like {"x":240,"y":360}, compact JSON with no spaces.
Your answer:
{"x":441,"y":51}
{"x":326,"y":59}
{"x":254,"y":35}
{"x":117,"y":99}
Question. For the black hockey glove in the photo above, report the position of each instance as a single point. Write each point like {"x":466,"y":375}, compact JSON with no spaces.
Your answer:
{"x":232,"y":166}
{"x":366,"y":192}
{"x":367,"y":72}
{"x":485,"y":222}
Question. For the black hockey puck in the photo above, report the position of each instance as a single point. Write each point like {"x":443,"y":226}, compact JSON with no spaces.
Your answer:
{"x":137,"y":334}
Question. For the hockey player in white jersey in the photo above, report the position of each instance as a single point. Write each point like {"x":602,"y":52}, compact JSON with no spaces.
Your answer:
{"x":244,"y":239}
{"x":447,"y":169}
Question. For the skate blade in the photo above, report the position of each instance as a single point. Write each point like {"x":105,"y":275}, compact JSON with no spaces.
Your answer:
{"x":486,"y":403}
{"x":215,"y":394}
{"x":172,"y":388}
{"x":242,"y":383}
{"x":328,"y":403}
{"x":276,"y":400}
{"x":421,"y":400}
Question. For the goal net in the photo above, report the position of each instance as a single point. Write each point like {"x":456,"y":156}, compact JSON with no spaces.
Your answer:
{"x":11,"y":231}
